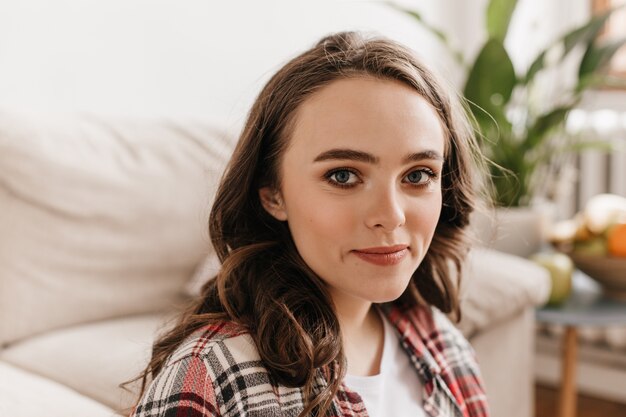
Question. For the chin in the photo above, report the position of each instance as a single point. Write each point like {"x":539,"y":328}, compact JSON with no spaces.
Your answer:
{"x":388,"y":295}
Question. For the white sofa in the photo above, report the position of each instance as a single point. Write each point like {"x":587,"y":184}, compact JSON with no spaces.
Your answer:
{"x":102,"y":229}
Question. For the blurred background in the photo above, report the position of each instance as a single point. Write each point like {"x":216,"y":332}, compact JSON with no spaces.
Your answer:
{"x":206,"y":60}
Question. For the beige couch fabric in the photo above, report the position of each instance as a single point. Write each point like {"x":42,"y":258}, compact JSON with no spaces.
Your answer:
{"x":92,"y":359}
{"x":497,"y":286}
{"x":100,"y":218}
{"x":25,"y":394}
{"x":505,"y":354}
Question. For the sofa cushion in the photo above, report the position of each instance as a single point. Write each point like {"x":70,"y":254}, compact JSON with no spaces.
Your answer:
{"x":92,"y":359}
{"x":496,"y":286}
{"x":205,"y":271}
{"x":100,"y":218}
{"x":24,"y":394}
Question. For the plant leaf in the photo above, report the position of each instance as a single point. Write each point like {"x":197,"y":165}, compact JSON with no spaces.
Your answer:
{"x":584,"y":34}
{"x":490,"y":84}
{"x":535,"y":67}
{"x":512,"y":172}
{"x":587,"y":32}
{"x":544,"y":124}
{"x":499,"y":13}
{"x":597,"y":57}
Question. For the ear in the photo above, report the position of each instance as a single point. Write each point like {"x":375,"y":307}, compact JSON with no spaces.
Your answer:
{"x":272,"y":202}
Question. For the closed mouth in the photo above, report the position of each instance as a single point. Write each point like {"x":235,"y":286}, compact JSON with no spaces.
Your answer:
{"x":383,"y":256}
{"x":383,"y":249}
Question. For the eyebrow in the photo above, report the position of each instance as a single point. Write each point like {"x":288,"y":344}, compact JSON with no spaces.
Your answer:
{"x":354,"y":155}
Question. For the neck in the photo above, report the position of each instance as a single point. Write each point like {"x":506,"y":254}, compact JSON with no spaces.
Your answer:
{"x":352,"y":315}
{"x":362,"y":335}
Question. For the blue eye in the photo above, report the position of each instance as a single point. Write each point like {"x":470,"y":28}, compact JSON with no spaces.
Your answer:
{"x":344,"y":178}
{"x":415,"y":176}
{"x":420,"y":177}
{"x":341,"y":176}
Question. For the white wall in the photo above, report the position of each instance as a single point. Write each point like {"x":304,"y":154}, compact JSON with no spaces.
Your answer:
{"x":198,"y":58}
{"x":208,"y":58}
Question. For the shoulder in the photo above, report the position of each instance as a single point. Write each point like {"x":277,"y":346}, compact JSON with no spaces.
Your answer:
{"x":216,"y":371}
{"x":223,"y":338}
{"x":186,"y":382}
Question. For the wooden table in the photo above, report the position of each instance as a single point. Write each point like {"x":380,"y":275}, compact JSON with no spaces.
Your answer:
{"x":587,"y":306}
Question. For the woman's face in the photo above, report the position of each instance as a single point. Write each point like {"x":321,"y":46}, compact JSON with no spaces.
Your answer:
{"x":361,"y":189}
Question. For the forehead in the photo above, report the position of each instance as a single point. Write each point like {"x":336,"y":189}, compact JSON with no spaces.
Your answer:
{"x":365,"y":112}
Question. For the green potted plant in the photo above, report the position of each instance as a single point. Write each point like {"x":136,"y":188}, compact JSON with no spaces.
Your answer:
{"x":521,"y":135}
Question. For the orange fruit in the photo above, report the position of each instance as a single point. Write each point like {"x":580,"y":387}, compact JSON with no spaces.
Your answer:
{"x":616,"y":240}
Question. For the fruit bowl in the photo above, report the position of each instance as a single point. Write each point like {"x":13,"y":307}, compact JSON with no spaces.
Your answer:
{"x":609,"y":271}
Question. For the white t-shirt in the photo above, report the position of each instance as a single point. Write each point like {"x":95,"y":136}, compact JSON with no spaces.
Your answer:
{"x":396,"y":391}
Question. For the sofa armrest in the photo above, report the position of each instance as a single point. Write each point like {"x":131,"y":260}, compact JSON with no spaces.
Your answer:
{"x":496,"y":286}
{"x":506,"y":353}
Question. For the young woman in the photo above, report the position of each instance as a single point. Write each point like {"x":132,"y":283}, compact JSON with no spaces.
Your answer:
{"x":340,"y":226}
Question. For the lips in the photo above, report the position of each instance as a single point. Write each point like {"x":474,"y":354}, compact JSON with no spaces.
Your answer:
{"x":383,"y":255}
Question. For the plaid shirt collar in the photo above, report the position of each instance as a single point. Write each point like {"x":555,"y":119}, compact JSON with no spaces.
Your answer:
{"x":422,"y":341}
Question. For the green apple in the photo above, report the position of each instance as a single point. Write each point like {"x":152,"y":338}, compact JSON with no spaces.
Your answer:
{"x":561,"y":269}
{"x":592,"y":247}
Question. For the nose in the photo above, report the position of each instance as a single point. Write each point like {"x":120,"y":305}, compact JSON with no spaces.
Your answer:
{"x":385,"y":210}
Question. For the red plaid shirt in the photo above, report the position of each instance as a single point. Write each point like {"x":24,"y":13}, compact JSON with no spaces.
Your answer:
{"x":218,"y":372}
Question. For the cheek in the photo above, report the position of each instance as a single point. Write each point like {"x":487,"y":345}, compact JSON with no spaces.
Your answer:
{"x":315,"y":221}
{"x":426,"y":213}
